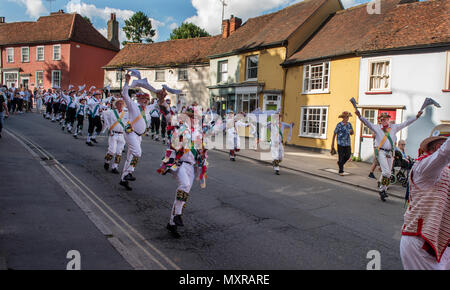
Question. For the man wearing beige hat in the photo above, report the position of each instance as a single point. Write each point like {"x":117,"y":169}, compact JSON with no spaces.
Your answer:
{"x":385,"y":138}
{"x":426,"y":230}
{"x":343,"y":131}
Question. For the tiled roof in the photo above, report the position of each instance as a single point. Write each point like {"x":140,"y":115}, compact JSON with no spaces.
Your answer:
{"x":166,"y":53}
{"x":425,"y":23}
{"x":398,"y":26}
{"x":268,"y":29}
{"x":343,"y":33}
{"x":54,"y":28}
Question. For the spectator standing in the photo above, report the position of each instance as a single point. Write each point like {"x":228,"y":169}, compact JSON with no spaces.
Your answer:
{"x":343,"y":131}
{"x":3,"y":108}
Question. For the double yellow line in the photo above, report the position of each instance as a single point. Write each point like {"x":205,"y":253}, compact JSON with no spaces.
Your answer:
{"x":155,"y":256}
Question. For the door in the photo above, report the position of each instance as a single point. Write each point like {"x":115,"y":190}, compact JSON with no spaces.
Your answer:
{"x":271,"y":102}
{"x":25,"y":81}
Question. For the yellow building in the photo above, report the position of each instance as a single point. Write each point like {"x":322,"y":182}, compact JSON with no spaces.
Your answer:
{"x":245,"y":69}
{"x":323,"y":75}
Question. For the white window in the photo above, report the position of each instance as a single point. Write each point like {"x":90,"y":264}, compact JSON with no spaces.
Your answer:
{"x":39,"y":79}
{"x":10,"y":78}
{"x":10,"y":55}
{"x":160,"y":76}
{"x":25,"y":54}
{"x":40,"y":53}
{"x":379,"y":75}
{"x":183,"y":74}
{"x":56,"y":78}
{"x":316,"y":78}
{"x":223,"y":71}
{"x":370,"y":115}
{"x":57,"y":52}
{"x":247,"y":103}
{"x":313,"y":122}
{"x":251,"y":67}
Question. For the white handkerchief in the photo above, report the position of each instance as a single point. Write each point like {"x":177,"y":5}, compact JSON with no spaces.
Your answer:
{"x":92,"y":88}
{"x":172,"y":91}
{"x":135,"y":73}
{"x":143,"y":83}
{"x":80,"y":88}
{"x":70,"y":87}
{"x":429,"y":102}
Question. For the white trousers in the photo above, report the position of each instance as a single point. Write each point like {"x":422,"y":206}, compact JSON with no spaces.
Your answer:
{"x":116,"y":143}
{"x":385,"y":160}
{"x":415,"y":258}
{"x":185,"y":176}
{"x":134,"y":151}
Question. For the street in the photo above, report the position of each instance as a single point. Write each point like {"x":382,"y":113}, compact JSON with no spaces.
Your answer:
{"x":247,"y":218}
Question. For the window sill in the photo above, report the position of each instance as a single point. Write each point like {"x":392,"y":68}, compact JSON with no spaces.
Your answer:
{"x":316,"y":93}
{"x":313,"y":137}
{"x":446,"y":91}
{"x":379,"y":93}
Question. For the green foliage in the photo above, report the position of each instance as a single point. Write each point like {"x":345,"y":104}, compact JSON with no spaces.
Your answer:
{"x":188,"y":30}
{"x":138,"y":28}
{"x":87,"y":19}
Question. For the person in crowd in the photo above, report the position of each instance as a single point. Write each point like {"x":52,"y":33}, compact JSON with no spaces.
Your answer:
{"x":343,"y":131}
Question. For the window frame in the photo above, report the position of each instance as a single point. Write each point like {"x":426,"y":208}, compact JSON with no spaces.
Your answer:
{"x":372,"y":61}
{"x":247,"y":58}
{"x":447,"y":72}
{"x":373,"y":121}
{"x":220,"y":73}
{"x":9,"y":49}
{"x":326,"y":66}
{"x":22,"y":54}
{"x":16,"y":78}
{"x":321,"y":128}
{"x":156,"y":75}
{"x":53,"y":79}
{"x":43,"y":79}
{"x":180,"y":70}
{"x":60,"y":55}
{"x":43,"y":53}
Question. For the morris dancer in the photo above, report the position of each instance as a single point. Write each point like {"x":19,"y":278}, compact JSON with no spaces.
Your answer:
{"x":276,"y":142}
{"x":63,"y":101}
{"x":385,"y":132}
{"x":188,"y":155}
{"x":232,"y":125}
{"x":94,"y":105}
{"x":56,"y":100}
{"x":79,"y":115}
{"x":115,"y":120}
{"x":138,"y":117}
{"x":48,"y":101}
{"x":426,"y":230}
{"x":71,"y":111}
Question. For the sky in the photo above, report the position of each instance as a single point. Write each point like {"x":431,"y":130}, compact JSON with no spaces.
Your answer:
{"x":165,"y":15}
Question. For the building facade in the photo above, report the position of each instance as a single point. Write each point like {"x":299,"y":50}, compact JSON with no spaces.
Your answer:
{"x":53,"y":52}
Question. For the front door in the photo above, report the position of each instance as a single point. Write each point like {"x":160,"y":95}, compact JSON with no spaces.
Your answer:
{"x":271,"y":102}
{"x":25,"y":82}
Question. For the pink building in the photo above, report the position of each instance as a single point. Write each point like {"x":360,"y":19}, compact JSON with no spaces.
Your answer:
{"x":55,"y":51}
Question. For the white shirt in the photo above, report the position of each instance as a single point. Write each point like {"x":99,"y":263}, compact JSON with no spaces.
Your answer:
{"x":379,"y":133}
{"x":133,"y":112}
{"x":427,"y":171}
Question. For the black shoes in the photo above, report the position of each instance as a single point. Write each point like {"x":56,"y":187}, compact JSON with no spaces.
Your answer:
{"x":106,"y":166}
{"x":129,"y":177}
{"x":371,"y":175}
{"x":173,"y":230}
{"x":277,"y":172}
{"x":178,"y":221}
{"x":89,"y":143}
{"x":124,"y":183}
{"x":115,"y":171}
{"x":93,"y":140}
{"x":383,"y":195}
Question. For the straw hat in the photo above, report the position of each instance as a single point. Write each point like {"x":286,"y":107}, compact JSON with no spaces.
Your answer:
{"x":384,"y":115}
{"x":119,"y":100}
{"x":345,"y":114}
{"x":142,"y":95}
{"x":440,"y":132}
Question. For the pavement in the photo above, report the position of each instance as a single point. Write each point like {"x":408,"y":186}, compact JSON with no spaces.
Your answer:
{"x":323,"y":165}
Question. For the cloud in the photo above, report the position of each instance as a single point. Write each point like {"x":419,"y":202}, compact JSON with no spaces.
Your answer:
{"x":35,"y":8}
{"x":91,"y":11}
{"x":173,"y":26}
{"x":209,"y":13}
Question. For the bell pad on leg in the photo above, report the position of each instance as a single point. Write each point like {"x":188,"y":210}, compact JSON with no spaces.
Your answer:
{"x":182,"y":195}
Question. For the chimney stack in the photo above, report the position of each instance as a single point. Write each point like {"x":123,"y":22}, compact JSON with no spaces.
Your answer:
{"x":113,"y":31}
{"x":225,"y":28}
{"x":235,"y":23}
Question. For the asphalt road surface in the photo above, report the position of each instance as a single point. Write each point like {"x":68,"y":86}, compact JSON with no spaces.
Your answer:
{"x":246,"y":218}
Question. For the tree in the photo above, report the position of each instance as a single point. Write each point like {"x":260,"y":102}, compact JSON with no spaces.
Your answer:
{"x":188,"y":30}
{"x":87,"y":19}
{"x":138,"y":28}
